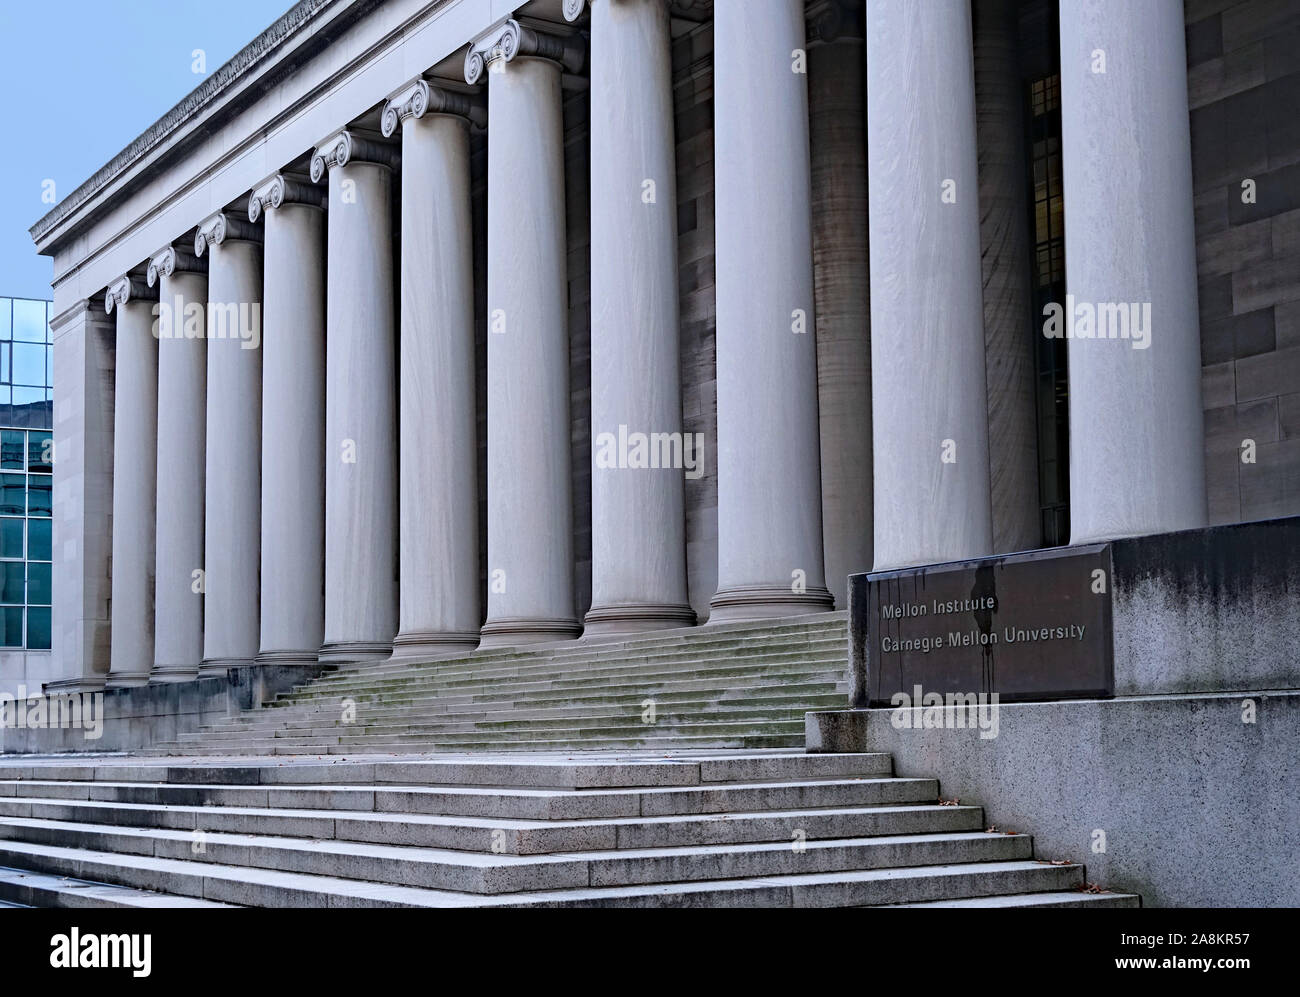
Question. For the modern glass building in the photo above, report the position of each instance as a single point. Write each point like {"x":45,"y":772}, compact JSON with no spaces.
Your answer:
{"x":26,"y":466}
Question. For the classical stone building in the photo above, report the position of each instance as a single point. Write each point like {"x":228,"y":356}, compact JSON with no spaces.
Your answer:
{"x":357,"y":349}
{"x":461,"y":375}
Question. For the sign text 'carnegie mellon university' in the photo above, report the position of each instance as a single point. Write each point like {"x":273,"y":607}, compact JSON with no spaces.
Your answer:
{"x":1024,"y":626}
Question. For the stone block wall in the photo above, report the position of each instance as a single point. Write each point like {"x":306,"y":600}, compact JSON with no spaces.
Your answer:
{"x":1243,"y":77}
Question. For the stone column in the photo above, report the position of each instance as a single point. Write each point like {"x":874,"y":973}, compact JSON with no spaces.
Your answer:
{"x":638,"y":517}
{"x":135,"y":466}
{"x":360,"y":402}
{"x":929,"y":400}
{"x":769,"y":470}
{"x":530,"y":485}
{"x":1137,"y":462}
{"x":83,"y":498}
{"x":293,"y":420}
{"x":1007,"y":271}
{"x":837,"y":85}
{"x":439,"y":598}
{"x":182,"y":408}
{"x":232,"y":534}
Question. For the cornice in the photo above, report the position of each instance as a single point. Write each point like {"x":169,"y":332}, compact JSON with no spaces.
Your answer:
{"x":421,"y":97}
{"x":280,"y":189}
{"x":217,"y":228}
{"x":128,"y":288}
{"x":347,"y":146}
{"x":514,"y":39}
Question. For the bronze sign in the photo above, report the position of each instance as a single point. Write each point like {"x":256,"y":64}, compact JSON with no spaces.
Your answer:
{"x":1024,"y":626}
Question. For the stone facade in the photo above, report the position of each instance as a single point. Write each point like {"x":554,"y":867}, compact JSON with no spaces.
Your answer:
{"x":824,"y":442}
{"x":1243,"y":87}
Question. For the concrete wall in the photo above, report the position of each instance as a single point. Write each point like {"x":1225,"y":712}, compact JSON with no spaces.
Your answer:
{"x":1243,"y":77}
{"x":1198,"y":808}
{"x":147,"y":715}
{"x":25,"y":668}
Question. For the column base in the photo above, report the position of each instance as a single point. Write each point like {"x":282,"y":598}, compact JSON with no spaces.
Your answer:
{"x":336,"y":652}
{"x":74,"y":686}
{"x":163,"y":674}
{"x":126,"y":680}
{"x":765,"y":602}
{"x":426,"y":645}
{"x":509,"y":631}
{"x":614,"y":621}
{"x":287,"y":657}
{"x":211,"y":668}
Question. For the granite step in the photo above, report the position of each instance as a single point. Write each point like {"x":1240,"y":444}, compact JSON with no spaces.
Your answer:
{"x":1074,"y":898}
{"x":21,"y":888}
{"x":510,"y":836}
{"x":507,"y":802}
{"x":275,"y":888}
{"x":489,"y":873}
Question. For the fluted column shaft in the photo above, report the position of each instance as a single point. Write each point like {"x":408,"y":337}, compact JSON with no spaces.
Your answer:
{"x":135,"y":467}
{"x":929,"y":407}
{"x":769,"y":478}
{"x":293,"y":421}
{"x":530,"y":485}
{"x":1137,"y":461}
{"x":439,"y":601}
{"x":233,"y":510}
{"x":182,"y":411}
{"x":360,"y":406}
{"x":638,"y":519}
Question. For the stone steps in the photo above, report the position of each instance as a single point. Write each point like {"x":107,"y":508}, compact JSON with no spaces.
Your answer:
{"x":741,"y":686}
{"x":1070,"y":899}
{"x":313,"y":716}
{"x":20,"y":888}
{"x":556,"y":681}
{"x":765,"y":828}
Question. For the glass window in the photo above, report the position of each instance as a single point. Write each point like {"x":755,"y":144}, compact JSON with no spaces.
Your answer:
{"x":29,"y":363}
{"x":6,"y":372}
{"x":6,"y":317}
{"x":38,"y":583}
{"x":11,"y":449}
{"x":11,"y":582}
{"x":40,"y":454}
{"x":11,"y":537}
{"x":38,"y":496}
{"x":11,"y":627}
{"x":38,"y":629}
{"x":13,"y":494}
{"x":28,"y":396}
{"x":29,"y":320}
{"x":40,"y":546}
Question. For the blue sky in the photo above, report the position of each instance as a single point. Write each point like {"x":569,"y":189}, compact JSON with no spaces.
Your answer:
{"x":79,"y":79}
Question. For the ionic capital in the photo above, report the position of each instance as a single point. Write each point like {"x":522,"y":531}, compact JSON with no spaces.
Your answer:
{"x":573,"y":8}
{"x":420,"y":97}
{"x":347,"y":146}
{"x":127,"y":288}
{"x":220,"y":227}
{"x":280,"y":189}
{"x":170,"y":260}
{"x":512,"y":40}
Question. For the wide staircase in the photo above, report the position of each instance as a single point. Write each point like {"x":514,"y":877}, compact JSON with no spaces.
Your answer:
{"x":636,"y":829}
{"x":724,"y":686}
